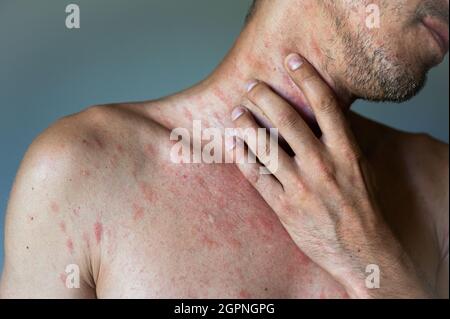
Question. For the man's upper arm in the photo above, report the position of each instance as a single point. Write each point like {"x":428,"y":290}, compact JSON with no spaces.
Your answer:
{"x":42,"y":240}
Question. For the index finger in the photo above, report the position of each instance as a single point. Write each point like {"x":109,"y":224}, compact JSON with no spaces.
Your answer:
{"x":321,"y":98}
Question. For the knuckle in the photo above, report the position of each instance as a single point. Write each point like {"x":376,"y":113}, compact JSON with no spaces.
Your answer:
{"x":287,"y":120}
{"x":326,"y":172}
{"x":352,"y":154}
{"x":327,"y":103}
{"x":300,"y":187}
{"x":297,"y":188}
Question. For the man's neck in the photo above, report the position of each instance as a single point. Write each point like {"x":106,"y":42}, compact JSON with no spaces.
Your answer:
{"x":258,"y":54}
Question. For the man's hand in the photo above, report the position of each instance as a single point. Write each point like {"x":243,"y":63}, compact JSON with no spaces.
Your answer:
{"x":323,"y":195}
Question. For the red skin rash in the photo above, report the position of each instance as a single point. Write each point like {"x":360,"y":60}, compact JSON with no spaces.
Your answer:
{"x":99,"y":143}
{"x":244,"y":294}
{"x":98,"y":232}
{"x":147,"y":192}
{"x":54,"y":207}
{"x":150,"y":151}
{"x":63,"y":277}
{"x":120,"y":148}
{"x":208,"y":242}
{"x":187,"y":114}
{"x":69,"y":245}
{"x":62,"y":226}
{"x":138,"y":212}
{"x":221,"y":95}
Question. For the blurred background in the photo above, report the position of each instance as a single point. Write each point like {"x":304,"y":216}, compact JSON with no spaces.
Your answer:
{"x":134,"y":50}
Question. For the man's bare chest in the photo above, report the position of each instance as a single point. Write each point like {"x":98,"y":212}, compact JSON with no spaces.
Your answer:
{"x":205,"y":233}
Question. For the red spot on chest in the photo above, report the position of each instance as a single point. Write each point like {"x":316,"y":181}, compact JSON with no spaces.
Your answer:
{"x":148,"y":192}
{"x":243,"y":294}
{"x":138,"y":212}
{"x":69,"y":245}
{"x":98,"y":232}
{"x":208,"y":242}
{"x":62,"y":226}
{"x":150,"y":151}
{"x":54,"y":207}
{"x":99,"y":142}
{"x":63,"y":277}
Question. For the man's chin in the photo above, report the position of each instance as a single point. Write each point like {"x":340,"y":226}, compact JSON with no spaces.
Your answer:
{"x":397,"y":89}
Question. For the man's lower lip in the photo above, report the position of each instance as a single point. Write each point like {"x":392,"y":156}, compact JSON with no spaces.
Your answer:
{"x":441,"y":39}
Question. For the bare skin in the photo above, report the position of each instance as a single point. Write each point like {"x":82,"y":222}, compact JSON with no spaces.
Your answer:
{"x":98,"y":189}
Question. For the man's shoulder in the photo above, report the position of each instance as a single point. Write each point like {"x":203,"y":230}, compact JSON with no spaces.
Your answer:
{"x":426,"y":154}
{"x":94,"y":133}
{"x":423,"y":158}
{"x":412,"y":148}
{"x":65,"y":181}
{"x":90,"y":150}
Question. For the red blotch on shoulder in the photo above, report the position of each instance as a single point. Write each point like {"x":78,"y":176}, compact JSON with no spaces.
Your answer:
{"x":222,"y":96}
{"x":99,"y":142}
{"x":188,"y":114}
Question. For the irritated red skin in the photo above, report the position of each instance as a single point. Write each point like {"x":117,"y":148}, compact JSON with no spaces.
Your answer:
{"x":69,"y":245}
{"x":54,"y":207}
{"x":138,"y":212}
{"x":98,"y":231}
{"x":62,"y":226}
{"x":148,"y":192}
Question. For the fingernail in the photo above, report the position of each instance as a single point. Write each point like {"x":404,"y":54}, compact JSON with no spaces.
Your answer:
{"x":294,"y":62}
{"x":251,"y":85}
{"x":237,"y":113}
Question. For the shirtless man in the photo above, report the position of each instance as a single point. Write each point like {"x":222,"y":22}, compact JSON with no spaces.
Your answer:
{"x":98,"y":189}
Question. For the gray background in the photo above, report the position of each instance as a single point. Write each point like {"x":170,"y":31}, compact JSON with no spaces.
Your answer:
{"x":134,"y":50}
